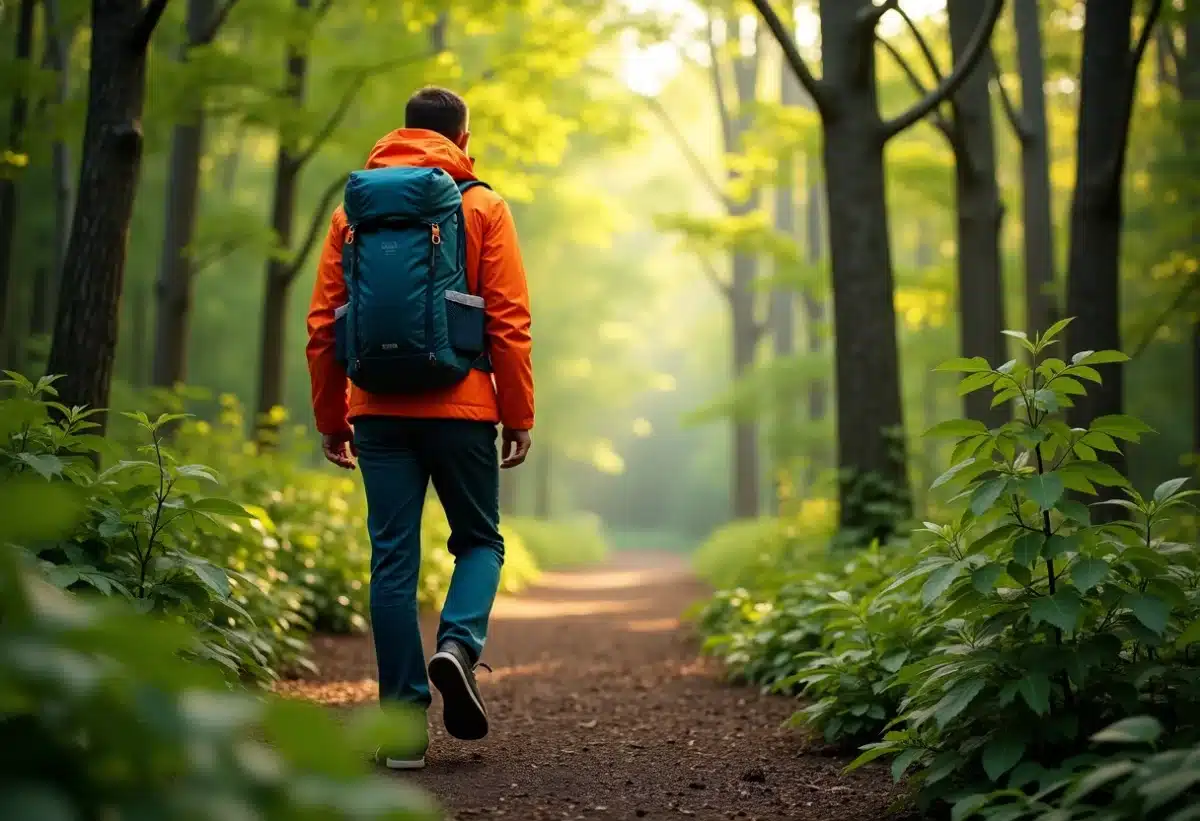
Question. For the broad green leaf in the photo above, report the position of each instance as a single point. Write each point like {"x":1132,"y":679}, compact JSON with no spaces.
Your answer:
{"x":1055,"y":329}
{"x":1098,"y":472}
{"x":1046,"y":399}
{"x":214,"y":578}
{"x":1097,"y":778}
{"x":957,"y":428}
{"x":904,"y":761}
{"x":976,"y":381}
{"x":1169,"y":488}
{"x":1002,"y":754}
{"x":1121,"y":426}
{"x":219,"y":506}
{"x":1151,"y":611}
{"x":1132,"y":730}
{"x":1044,"y":488}
{"x":1035,"y":689}
{"x":1075,"y":511}
{"x":1100,"y":441}
{"x":1099,"y":358}
{"x":45,"y":465}
{"x":1027,"y":548}
{"x":1169,"y":786}
{"x":986,"y":495}
{"x":1019,"y":572}
{"x":1088,"y":373}
{"x":1057,"y":545}
{"x":967,"y":807}
{"x":964,"y":365}
{"x":984,"y":578}
{"x":1061,"y":610}
{"x":957,"y":700}
{"x":939,"y":581}
{"x":1189,"y":636}
{"x":951,"y":473}
{"x":1016,"y":334}
{"x":1086,"y":573}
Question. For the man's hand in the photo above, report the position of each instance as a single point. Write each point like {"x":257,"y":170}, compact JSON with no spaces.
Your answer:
{"x":339,"y":448}
{"x":515,"y":447}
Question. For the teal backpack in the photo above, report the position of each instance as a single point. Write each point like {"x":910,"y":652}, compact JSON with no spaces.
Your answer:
{"x":410,"y":324}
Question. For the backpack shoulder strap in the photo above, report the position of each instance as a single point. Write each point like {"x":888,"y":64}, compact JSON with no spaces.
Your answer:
{"x":467,"y":185}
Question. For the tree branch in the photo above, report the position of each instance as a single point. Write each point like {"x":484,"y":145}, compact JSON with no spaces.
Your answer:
{"x":936,"y":117}
{"x":1177,"y":303}
{"x":686,"y":149}
{"x":319,"y":217}
{"x":152,"y":12}
{"x":1169,"y":54}
{"x":343,"y":107}
{"x":1139,"y":49}
{"x":723,"y":287}
{"x":1016,"y":117}
{"x":719,"y":87}
{"x":869,"y":17}
{"x":795,"y":59}
{"x":214,"y":27}
{"x":923,"y":44}
{"x":957,"y":76}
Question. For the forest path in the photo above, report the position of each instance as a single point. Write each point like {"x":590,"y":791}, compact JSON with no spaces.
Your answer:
{"x":601,"y":709}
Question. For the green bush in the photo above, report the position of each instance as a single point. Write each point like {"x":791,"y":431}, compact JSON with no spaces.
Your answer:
{"x":561,"y":543}
{"x":100,"y":717}
{"x":741,"y":552}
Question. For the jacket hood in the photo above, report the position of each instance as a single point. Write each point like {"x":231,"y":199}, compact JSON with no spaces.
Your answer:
{"x":421,"y":149}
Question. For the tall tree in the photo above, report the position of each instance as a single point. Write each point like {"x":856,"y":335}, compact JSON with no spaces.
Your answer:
{"x":1108,"y":84}
{"x":173,"y":291}
{"x":870,"y":417}
{"x":85,"y":332}
{"x":18,"y":115}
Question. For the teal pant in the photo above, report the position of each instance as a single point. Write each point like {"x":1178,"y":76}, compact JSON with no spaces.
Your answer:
{"x":398,"y":458}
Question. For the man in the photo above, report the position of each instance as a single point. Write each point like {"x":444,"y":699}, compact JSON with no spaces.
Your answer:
{"x":445,"y":435}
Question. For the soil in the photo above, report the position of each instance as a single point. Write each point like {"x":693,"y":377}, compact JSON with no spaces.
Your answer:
{"x":601,"y":708}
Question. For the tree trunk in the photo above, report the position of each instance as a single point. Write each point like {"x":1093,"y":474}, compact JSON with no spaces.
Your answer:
{"x":1041,"y":302}
{"x":814,"y":300}
{"x":1188,"y":70}
{"x":85,"y":332}
{"x":979,"y":212}
{"x":279,"y":274}
{"x":139,"y":355}
{"x":870,"y":454}
{"x":173,"y":292}
{"x":18,"y":114}
{"x":545,"y":483}
{"x":1108,"y":83}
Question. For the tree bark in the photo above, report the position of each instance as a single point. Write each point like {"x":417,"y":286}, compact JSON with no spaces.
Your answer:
{"x":85,"y":332}
{"x":979,"y":214}
{"x":288,"y":165}
{"x":1108,"y":85}
{"x":1041,"y":302}
{"x":18,"y":116}
{"x":173,"y":292}
{"x":814,"y":300}
{"x":1188,"y":71}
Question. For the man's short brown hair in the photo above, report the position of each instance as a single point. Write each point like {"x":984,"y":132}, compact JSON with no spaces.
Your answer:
{"x":437,"y":109}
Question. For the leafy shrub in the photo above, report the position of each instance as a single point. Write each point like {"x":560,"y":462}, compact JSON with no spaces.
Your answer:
{"x":560,"y":543}
{"x":740,"y":552}
{"x":1053,"y":626}
{"x":100,"y":717}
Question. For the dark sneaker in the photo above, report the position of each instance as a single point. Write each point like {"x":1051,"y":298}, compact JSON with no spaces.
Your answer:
{"x":452,"y":673}
{"x":407,"y":756}
{"x":399,"y":761}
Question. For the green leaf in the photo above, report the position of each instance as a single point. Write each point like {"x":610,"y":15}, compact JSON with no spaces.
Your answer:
{"x":938,"y":581}
{"x":219,"y":506}
{"x":1027,"y":548}
{"x":213,"y":577}
{"x":45,"y":465}
{"x":1035,"y":689}
{"x":986,"y":495}
{"x":1057,"y":544}
{"x":951,"y":473}
{"x":1044,"y":488}
{"x":1087,"y":573}
{"x":976,"y":381}
{"x":1055,"y":329}
{"x":964,"y":365}
{"x":1061,"y":610}
{"x":1169,"y":488}
{"x":967,"y":807}
{"x":984,"y":578}
{"x":1132,"y":730}
{"x":1016,"y":334}
{"x":904,"y":761}
{"x":1098,"y":472}
{"x":1151,"y":611}
{"x":957,"y":428}
{"x":1098,"y":358}
{"x":1046,"y":399}
{"x":1097,"y":778}
{"x":1001,"y":755}
{"x":1121,"y":426}
{"x":957,"y":700}
{"x":1169,"y":786}
{"x":1075,"y":511}
{"x":1189,"y":636}
{"x":1019,"y":572}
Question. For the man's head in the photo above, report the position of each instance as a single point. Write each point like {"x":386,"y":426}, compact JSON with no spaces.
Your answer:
{"x":436,"y":109}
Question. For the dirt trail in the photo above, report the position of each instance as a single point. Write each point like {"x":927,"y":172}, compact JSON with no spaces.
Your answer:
{"x":601,"y":709}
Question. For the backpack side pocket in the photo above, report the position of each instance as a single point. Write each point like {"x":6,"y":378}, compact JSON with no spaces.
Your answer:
{"x":465,"y":323}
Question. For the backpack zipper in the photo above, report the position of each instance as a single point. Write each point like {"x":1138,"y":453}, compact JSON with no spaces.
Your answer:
{"x":435,"y":240}
{"x":354,"y":296}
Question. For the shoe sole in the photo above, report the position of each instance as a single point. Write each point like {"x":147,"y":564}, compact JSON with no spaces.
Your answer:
{"x":402,"y":764}
{"x":463,"y":715}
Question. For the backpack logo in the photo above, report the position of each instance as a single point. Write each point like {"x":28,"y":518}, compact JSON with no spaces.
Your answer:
{"x":389,"y":247}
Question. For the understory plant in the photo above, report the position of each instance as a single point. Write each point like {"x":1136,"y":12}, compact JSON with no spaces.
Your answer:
{"x":1054,"y":621}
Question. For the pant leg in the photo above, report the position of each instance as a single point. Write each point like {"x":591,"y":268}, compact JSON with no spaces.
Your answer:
{"x":396,"y":483}
{"x":462,"y":459}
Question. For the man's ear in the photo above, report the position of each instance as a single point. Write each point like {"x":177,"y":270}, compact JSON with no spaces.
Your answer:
{"x":462,"y":140}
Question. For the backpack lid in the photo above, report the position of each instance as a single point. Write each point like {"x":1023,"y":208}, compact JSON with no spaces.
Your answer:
{"x":401,"y":192}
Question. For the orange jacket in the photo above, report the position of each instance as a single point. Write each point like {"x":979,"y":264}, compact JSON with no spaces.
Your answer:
{"x":494,"y":271}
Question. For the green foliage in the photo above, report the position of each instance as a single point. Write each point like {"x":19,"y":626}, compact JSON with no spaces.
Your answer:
{"x":101,"y":717}
{"x":740,"y":553}
{"x":560,"y":543}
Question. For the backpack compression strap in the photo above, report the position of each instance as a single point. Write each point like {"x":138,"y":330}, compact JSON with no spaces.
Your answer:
{"x":484,"y":362}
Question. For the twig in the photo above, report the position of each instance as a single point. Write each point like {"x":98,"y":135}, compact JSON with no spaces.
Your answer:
{"x":1184,"y":294}
{"x":1143,"y":40}
{"x":1016,"y":118}
{"x":214,"y":27}
{"x":709,"y":271}
{"x":146,"y":23}
{"x":922,"y":43}
{"x":314,"y":227}
{"x":811,"y":84}
{"x":686,"y":149}
{"x":939,"y":120}
{"x":958,"y":75}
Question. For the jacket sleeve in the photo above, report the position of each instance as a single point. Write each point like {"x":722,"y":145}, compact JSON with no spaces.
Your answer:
{"x":506,"y":294}
{"x":328,"y":378}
